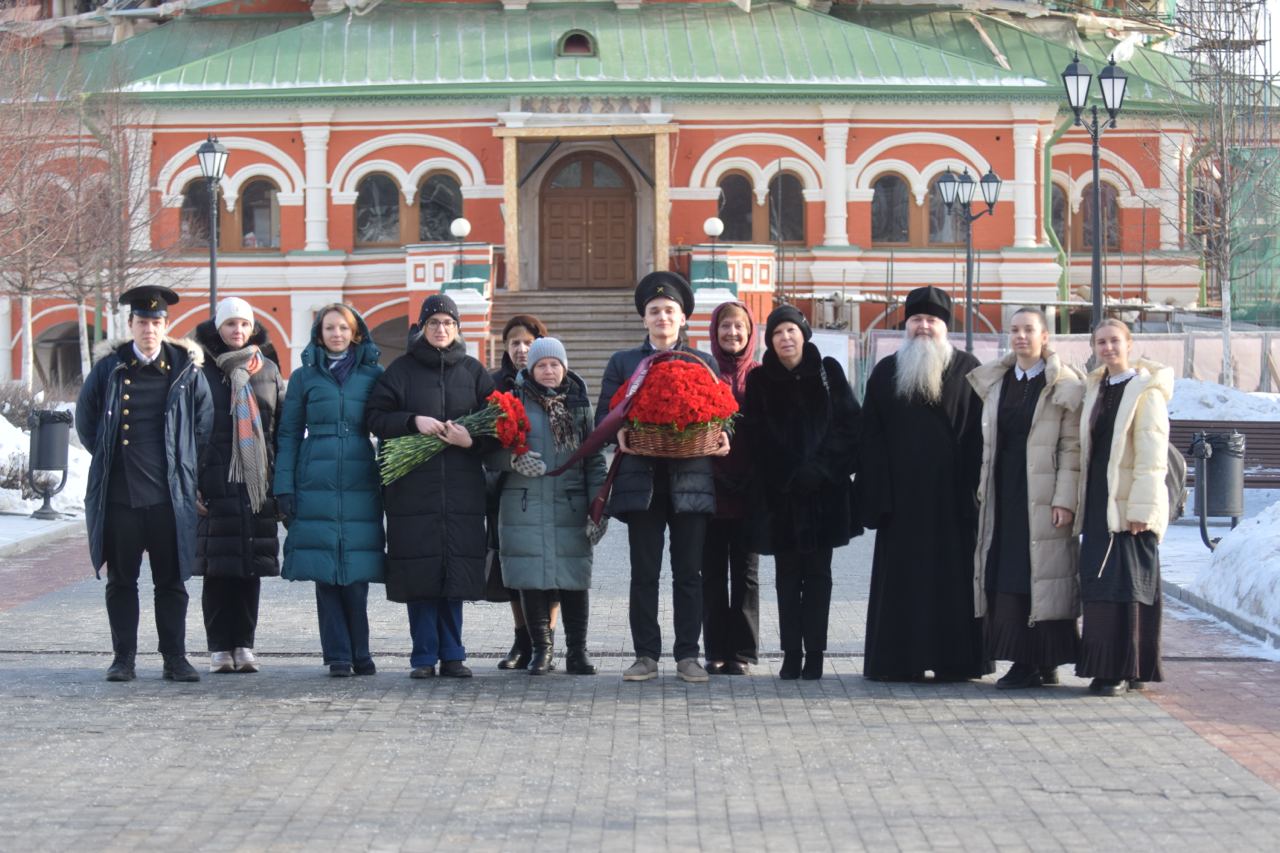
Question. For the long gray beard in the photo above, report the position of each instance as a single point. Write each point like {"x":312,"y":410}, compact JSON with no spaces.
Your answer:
{"x":921,"y":363}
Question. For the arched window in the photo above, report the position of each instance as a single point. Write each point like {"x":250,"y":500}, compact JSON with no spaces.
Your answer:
{"x":439,"y":203}
{"x":377,"y":211}
{"x":194,"y":228}
{"x":946,"y":229}
{"x":1058,"y":220}
{"x":890,"y":210}
{"x":735,"y":208}
{"x":1110,"y":218}
{"x":786,"y":209}
{"x":260,"y":216}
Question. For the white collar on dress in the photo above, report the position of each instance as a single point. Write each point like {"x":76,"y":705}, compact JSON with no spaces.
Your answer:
{"x":1121,"y":377}
{"x":1036,"y":370}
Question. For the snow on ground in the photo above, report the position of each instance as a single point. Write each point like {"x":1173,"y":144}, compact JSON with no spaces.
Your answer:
{"x":1243,"y":575}
{"x":15,"y":445}
{"x":1194,"y":400}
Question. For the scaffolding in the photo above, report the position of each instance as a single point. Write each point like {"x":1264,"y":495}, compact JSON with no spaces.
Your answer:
{"x":1234,"y":174}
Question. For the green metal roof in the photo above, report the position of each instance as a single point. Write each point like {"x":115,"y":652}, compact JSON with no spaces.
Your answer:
{"x":1154,"y":77}
{"x":431,"y":50}
{"x":179,"y":42}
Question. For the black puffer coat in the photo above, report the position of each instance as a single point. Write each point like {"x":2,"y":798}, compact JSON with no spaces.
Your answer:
{"x":233,"y":541}
{"x":690,"y":481}
{"x":803,"y":439}
{"x":435,"y":514}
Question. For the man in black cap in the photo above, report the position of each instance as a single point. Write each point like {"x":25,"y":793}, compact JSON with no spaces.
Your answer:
{"x":145,"y":414}
{"x":921,"y":452}
{"x":653,"y":495}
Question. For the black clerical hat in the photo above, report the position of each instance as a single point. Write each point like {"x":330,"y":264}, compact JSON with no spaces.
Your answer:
{"x":149,"y":300}
{"x":929,"y":300}
{"x":666,"y":285}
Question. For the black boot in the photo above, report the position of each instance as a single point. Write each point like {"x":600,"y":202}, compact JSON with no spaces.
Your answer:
{"x":121,"y":668}
{"x":537,"y":618}
{"x":791,"y":662}
{"x":812,"y":666}
{"x":521,"y":651}
{"x":575,"y":606}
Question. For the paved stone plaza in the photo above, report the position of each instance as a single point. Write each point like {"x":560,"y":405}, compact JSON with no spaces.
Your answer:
{"x":290,"y":760}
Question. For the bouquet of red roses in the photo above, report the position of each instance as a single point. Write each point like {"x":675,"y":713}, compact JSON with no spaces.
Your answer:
{"x":504,"y":418}
{"x":679,"y":410}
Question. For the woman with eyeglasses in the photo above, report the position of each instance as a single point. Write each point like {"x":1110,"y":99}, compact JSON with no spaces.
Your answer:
{"x":435,"y":514}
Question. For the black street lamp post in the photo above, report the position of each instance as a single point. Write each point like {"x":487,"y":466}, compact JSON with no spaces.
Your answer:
{"x":1112,"y":81}
{"x":713,"y":228}
{"x":960,"y":189}
{"x":212,"y":155}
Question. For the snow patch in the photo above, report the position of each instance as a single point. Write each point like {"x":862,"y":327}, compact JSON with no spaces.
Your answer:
{"x":1195,"y":400}
{"x":1243,"y":575}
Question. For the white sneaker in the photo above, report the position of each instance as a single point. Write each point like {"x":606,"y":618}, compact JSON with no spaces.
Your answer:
{"x":691,"y":671}
{"x":642,"y":670}
{"x":221,"y":662}
{"x":245,"y":661}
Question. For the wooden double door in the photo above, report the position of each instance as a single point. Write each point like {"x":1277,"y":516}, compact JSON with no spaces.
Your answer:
{"x":587,"y":232}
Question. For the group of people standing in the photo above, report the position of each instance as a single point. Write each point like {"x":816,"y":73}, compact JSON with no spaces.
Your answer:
{"x":1006,"y":497}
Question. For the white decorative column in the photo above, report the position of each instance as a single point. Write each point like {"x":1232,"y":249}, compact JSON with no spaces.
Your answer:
{"x":1025,"y":137}
{"x":835,"y":135}
{"x":315,"y":141}
{"x":138,"y":156}
{"x":1172,"y":149}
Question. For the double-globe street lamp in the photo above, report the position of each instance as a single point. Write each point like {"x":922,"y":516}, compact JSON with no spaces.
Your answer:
{"x":1112,"y":81}
{"x":212,"y":155}
{"x":960,"y":190}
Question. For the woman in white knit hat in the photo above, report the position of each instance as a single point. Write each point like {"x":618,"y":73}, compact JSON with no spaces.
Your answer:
{"x":238,"y":541}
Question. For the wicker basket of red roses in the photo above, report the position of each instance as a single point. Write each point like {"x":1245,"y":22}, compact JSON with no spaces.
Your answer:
{"x":679,"y":411}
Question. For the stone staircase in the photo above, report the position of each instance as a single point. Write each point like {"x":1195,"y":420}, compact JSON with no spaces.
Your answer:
{"x":593,"y":324}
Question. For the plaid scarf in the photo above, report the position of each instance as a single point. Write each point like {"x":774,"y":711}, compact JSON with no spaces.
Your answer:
{"x":248,"y":445}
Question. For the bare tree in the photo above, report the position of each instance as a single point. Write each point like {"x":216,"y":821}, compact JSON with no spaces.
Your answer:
{"x":1232,"y":116}
{"x":33,"y":200}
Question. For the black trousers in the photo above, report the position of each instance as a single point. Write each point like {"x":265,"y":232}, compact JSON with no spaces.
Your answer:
{"x":645,"y":534}
{"x":230,"y":612}
{"x":730,"y":593}
{"x":129,"y":532}
{"x":804,"y":599}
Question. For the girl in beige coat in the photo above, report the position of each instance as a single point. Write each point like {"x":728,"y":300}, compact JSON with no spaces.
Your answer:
{"x":1024,"y":578}
{"x":1124,"y":449}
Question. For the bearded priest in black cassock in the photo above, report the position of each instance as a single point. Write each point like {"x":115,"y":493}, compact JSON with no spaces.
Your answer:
{"x":921,"y":454}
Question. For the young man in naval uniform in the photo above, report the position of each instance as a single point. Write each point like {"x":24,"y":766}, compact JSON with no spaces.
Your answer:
{"x":145,"y":415}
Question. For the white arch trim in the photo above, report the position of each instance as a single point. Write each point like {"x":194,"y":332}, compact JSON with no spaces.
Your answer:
{"x":969,"y":155}
{"x":700,"y":177}
{"x":761,"y":176}
{"x":55,"y":309}
{"x":471,"y":173}
{"x":1075,"y":187}
{"x":168,"y":174}
{"x":232,"y":184}
{"x":400,"y":300}
{"x":918,"y":180}
{"x":1131,"y":180}
{"x":179,"y":184}
{"x":435,"y":164}
{"x":394,"y":170}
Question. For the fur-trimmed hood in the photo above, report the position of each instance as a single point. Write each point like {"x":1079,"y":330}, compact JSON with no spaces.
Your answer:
{"x":193,"y":350}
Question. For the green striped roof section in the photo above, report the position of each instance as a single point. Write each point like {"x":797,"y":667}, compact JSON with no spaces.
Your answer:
{"x":180,"y":42}
{"x":775,"y":50}
{"x":1155,"y":78}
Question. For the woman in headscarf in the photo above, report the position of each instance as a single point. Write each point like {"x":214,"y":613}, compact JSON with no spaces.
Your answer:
{"x":237,"y":542}
{"x":730,"y":569}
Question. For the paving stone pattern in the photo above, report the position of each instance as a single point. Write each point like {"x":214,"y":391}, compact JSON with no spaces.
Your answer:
{"x":289,"y":759}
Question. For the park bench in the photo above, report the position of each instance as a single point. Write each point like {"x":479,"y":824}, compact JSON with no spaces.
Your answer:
{"x":1261,"y":447}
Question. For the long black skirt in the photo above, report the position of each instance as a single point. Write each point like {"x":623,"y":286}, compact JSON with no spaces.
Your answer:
{"x":1121,"y":641}
{"x":1044,"y":644}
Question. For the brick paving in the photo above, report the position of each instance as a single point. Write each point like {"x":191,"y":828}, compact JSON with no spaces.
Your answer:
{"x":289,"y":759}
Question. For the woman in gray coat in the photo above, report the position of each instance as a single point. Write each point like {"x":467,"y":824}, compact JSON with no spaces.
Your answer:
{"x":544,"y":534}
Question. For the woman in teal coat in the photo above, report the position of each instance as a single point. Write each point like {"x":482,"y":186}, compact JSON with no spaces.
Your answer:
{"x":545,"y":537}
{"x":327,"y":485}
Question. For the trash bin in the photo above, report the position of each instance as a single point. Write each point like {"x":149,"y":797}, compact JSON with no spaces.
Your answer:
{"x":50,"y":437}
{"x":1219,"y":473}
